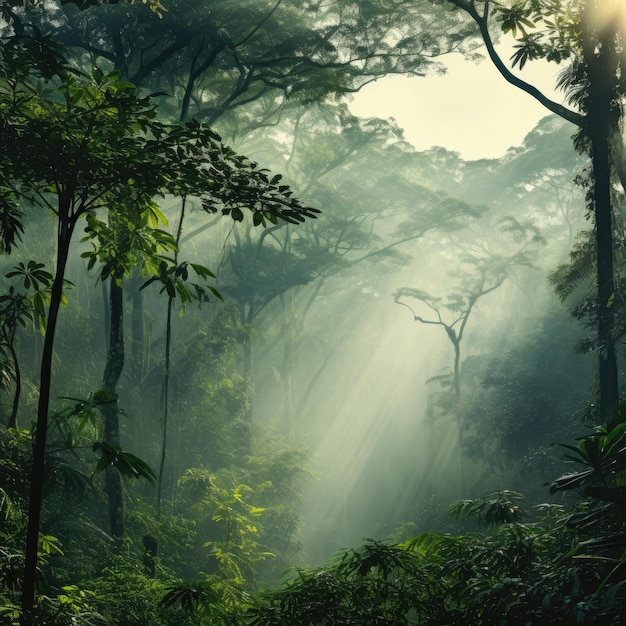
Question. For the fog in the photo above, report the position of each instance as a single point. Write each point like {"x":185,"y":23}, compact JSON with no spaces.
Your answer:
{"x":337,"y":366}
{"x":263,"y":361}
{"x":382,"y":458}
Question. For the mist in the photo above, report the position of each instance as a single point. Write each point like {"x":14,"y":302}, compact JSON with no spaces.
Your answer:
{"x":266,"y":362}
{"x":365,"y":374}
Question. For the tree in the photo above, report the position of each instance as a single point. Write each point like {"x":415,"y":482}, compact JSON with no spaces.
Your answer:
{"x":97,"y":146}
{"x":212,"y":58}
{"x":173,"y":276}
{"x":215,"y":58}
{"x":61,"y":158}
{"x":522,"y":393}
{"x":589,"y":33}
{"x":480,"y":272}
{"x":364,"y":174}
{"x":19,"y":308}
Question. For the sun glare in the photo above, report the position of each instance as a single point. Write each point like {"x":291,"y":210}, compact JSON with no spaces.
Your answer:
{"x":609,"y":12}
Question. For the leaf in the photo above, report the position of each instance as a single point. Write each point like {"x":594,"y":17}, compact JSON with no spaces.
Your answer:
{"x":202,"y":271}
{"x":50,"y":545}
{"x":127,"y":464}
{"x":98,"y":75}
{"x":236,"y":214}
{"x":11,"y":226}
{"x":190,"y":596}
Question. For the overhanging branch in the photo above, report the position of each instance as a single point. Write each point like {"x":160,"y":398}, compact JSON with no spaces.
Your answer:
{"x":482,"y":23}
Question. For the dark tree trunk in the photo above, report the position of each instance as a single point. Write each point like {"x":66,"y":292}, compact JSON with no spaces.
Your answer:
{"x":166,"y":400}
{"x":166,"y":377}
{"x":64,"y":236}
{"x":602,"y":63}
{"x":12,"y":423}
{"x":112,"y":372}
{"x":607,"y":371}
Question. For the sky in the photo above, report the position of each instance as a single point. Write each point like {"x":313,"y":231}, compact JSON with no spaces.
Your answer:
{"x":471,"y":109}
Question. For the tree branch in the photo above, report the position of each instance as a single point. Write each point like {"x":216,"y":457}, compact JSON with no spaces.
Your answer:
{"x":482,"y":23}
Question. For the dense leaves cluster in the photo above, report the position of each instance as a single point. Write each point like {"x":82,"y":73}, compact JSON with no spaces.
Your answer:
{"x":515,"y":575}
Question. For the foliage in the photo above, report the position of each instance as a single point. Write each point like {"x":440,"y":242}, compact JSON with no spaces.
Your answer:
{"x":104,"y":149}
{"x":516,"y":575}
{"x":520,"y":396}
{"x":218,"y":58}
{"x":126,"y":595}
{"x":173,"y":278}
{"x":600,"y":481}
{"x":600,"y":516}
{"x":492,"y":510}
{"x":128,"y":465}
{"x":229,"y":524}
{"x":94,"y":145}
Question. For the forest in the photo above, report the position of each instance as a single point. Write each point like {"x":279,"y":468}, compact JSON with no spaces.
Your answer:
{"x":265,"y":363}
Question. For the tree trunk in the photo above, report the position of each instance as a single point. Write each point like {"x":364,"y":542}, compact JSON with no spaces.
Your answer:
{"x":166,"y":401}
{"x":457,"y":409}
{"x":607,"y":371}
{"x":602,"y":63}
{"x":12,"y":423}
{"x":64,"y":236}
{"x":112,"y":372}
{"x":166,"y":377}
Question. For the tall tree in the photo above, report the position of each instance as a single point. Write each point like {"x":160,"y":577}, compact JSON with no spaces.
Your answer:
{"x":590,"y":34}
{"x":87,"y":149}
{"x":363,"y":173}
{"x":60,"y":156}
{"x":479,"y":273}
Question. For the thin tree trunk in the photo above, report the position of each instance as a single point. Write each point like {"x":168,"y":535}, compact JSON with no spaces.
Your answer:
{"x":166,"y":379}
{"x":112,"y":372}
{"x":12,"y":423}
{"x":64,"y":236}
{"x":166,"y":395}
{"x":457,"y":410}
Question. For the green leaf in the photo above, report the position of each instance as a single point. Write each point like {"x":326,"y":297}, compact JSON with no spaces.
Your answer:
{"x":215,"y":292}
{"x":127,"y":464}
{"x":98,"y":75}
{"x":189,"y":596}
{"x":50,"y":545}
{"x":202,"y":271}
